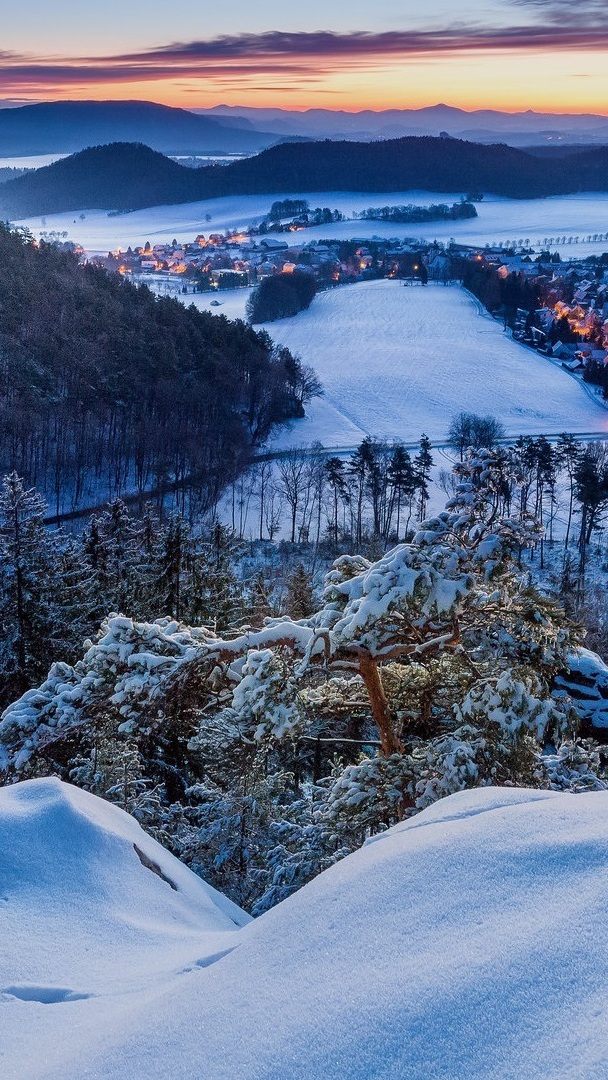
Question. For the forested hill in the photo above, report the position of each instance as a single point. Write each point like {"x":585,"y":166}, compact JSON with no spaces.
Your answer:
{"x":446,"y":165}
{"x":119,"y":176}
{"x":129,"y":176}
{"x":394,"y":165}
{"x":106,"y":389}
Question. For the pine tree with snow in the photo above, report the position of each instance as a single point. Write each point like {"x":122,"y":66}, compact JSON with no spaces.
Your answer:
{"x":300,"y":599}
{"x":27,"y":568}
{"x":425,"y":671}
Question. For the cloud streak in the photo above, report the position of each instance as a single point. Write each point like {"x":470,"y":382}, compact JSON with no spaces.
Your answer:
{"x":245,"y":57}
{"x":568,"y":12}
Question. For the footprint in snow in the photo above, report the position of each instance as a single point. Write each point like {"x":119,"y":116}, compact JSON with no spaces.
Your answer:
{"x":46,"y":995}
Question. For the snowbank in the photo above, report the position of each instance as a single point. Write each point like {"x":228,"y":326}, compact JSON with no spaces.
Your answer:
{"x":87,"y":898}
{"x":470,"y":941}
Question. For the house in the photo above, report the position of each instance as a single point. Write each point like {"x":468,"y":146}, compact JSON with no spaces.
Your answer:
{"x":564,"y":351}
{"x":269,"y":244}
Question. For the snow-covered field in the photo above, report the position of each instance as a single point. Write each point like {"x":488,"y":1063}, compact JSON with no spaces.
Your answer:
{"x":398,"y":361}
{"x":499,"y":220}
{"x":228,"y":302}
{"x":470,"y":942}
{"x":33,"y":161}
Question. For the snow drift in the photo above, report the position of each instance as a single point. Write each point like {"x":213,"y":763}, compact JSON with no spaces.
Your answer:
{"x":89,"y":902}
{"x":469,"y":941}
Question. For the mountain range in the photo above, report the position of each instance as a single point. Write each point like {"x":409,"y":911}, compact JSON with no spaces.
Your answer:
{"x":66,"y":127}
{"x":527,"y":128}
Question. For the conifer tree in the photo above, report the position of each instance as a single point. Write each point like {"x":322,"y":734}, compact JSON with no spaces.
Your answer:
{"x":259,"y":599}
{"x":300,"y":601}
{"x":568,"y":453}
{"x":423,"y":463}
{"x":27,"y":579}
{"x":402,"y":478}
{"x":170,"y":566}
{"x":336,"y":477}
{"x":215,"y":595}
{"x":591,"y":492}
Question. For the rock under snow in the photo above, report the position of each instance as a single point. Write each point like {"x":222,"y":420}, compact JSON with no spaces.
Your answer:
{"x":89,"y":901}
{"x":586,"y":683}
{"x":470,"y":941}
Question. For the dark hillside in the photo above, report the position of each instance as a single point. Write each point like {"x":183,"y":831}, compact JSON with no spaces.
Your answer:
{"x":106,"y":389}
{"x":127,"y":176}
{"x":589,"y":170}
{"x":120,"y":176}
{"x":395,"y":165}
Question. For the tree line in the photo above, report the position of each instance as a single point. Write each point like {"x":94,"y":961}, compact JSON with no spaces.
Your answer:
{"x":458,"y":211}
{"x":376,"y":496}
{"x":373,"y":495}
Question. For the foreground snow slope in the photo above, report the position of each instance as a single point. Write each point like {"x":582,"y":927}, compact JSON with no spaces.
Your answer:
{"x":84,"y":910}
{"x":396,"y":361}
{"x":468,"y":942}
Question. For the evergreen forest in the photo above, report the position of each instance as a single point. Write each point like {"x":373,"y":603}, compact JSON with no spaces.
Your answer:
{"x":107,"y":389}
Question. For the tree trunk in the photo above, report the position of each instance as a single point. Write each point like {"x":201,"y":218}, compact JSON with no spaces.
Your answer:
{"x":368,"y":669}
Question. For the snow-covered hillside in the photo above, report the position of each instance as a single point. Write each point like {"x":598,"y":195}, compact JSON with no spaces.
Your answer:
{"x":398,"y":361}
{"x":499,"y":220}
{"x":470,"y":941}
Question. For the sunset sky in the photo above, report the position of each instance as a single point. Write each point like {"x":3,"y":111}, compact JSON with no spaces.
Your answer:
{"x":548,"y":55}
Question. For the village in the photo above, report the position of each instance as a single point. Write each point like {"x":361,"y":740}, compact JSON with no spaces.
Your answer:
{"x":559,"y":308}
{"x":554,"y":304}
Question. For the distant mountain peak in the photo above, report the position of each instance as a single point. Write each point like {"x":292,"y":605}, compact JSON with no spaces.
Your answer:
{"x":65,"y":127}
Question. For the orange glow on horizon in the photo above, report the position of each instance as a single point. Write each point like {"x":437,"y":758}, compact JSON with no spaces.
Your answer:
{"x":508,"y":82}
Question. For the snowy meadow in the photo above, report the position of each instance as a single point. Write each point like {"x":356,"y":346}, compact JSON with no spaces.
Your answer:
{"x":500,"y":221}
{"x":397,"y":361}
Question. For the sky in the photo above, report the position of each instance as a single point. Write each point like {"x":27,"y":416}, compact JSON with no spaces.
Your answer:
{"x":546,"y":55}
